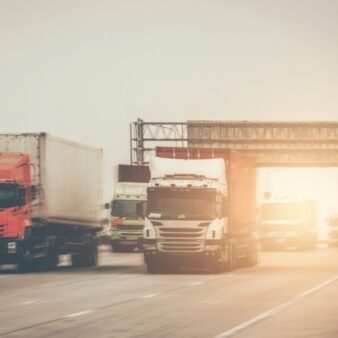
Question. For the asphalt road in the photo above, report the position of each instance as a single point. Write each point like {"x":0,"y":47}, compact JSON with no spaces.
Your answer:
{"x":289,"y":294}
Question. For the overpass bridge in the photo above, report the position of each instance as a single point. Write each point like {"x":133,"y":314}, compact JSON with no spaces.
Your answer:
{"x":272,"y":144}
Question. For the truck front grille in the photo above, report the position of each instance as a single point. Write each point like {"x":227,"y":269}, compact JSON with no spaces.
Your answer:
{"x":181,"y":239}
{"x":130,"y":227}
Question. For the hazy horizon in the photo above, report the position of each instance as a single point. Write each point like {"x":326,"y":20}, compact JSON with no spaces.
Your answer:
{"x":83,"y":70}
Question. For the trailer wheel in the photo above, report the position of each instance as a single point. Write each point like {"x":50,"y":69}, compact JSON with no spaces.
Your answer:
{"x":89,"y":257}
{"x":93,"y":252}
{"x":52,"y":258}
{"x":231,"y":262}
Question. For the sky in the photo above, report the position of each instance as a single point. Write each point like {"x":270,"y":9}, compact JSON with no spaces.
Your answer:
{"x":84,"y":69}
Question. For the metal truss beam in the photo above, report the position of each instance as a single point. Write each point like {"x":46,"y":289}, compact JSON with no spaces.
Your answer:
{"x":271,"y":143}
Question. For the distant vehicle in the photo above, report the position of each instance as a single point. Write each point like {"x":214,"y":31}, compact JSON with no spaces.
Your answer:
{"x":50,"y":201}
{"x":333,"y":229}
{"x":201,"y":210}
{"x":288,"y":222}
{"x":128,"y":207}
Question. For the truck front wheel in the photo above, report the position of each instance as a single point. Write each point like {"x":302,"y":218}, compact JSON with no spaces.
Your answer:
{"x":26,"y":259}
{"x":152,"y":266}
{"x":25,"y":263}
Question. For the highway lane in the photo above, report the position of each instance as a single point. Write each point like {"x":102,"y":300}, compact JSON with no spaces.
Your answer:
{"x":118,"y":299}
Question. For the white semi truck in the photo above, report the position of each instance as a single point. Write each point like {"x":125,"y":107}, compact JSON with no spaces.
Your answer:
{"x":286,"y":222}
{"x":201,"y":210}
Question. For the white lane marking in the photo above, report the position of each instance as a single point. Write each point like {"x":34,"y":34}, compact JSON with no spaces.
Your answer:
{"x":30,"y":302}
{"x":151,"y":295}
{"x":78,"y":314}
{"x":205,"y":301}
{"x":196,"y":283}
{"x":48,"y":285}
{"x":278,"y":308}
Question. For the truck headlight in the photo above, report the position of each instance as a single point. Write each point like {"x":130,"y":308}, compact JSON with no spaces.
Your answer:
{"x":148,"y":230}
{"x":215,"y":230}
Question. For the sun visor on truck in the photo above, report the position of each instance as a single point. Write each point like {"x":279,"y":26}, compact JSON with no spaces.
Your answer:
{"x":133,"y":173}
{"x":210,"y":168}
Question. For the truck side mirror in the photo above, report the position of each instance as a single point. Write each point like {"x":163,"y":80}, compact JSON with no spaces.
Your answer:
{"x":106,"y":206}
{"x":21,"y":196}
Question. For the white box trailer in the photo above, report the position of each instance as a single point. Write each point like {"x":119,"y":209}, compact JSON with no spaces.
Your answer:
{"x":67,"y":178}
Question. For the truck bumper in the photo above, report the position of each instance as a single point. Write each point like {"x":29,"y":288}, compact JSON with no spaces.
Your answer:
{"x":10,"y":250}
{"x":204,"y":258}
{"x":131,"y":238}
{"x":281,"y":240}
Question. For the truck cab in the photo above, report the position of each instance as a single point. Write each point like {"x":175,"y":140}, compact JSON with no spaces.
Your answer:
{"x":186,"y":217}
{"x":15,"y":204}
{"x":288,"y":222}
{"x":127,"y":215}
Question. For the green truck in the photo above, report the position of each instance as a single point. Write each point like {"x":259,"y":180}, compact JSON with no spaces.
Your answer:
{"x":128,"y":208}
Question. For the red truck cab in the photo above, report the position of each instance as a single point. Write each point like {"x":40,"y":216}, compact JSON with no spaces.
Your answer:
{"x":15,"y":203}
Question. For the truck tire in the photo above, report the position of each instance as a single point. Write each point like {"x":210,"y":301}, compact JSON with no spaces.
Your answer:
{"x":26,"y":263}
{"x":89,"y":257}
{"x":251,"y":257}
{"x":51,"y":260}
{"x":26,"y":260}
{"x":230,"y":264}
{"x":93,"y":252}
{"x":152,"y":267}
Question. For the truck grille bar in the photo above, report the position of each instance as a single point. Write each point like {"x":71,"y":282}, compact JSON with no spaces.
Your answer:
{"x":130,"y":227}
{"x":181,"y":239}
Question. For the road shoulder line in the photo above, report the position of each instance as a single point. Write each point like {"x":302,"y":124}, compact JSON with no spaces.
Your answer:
{"x":266,"y":314}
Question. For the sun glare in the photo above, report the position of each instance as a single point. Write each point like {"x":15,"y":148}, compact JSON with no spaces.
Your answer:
{"x":320,"y":184}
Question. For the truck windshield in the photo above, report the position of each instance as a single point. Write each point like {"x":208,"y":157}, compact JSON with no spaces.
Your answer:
{"x":281,"y":211}
{"x":8,"y":196}
{"x":182,"y":205}
{"x":128,"y":208}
